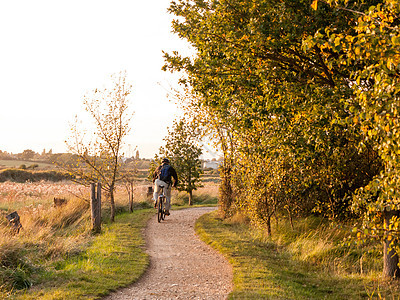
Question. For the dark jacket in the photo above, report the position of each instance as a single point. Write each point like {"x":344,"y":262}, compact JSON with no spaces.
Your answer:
{"x":171,"y":170}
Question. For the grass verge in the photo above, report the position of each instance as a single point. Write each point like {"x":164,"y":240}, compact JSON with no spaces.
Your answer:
{"x":115,"y":258}
{"x":264,"y":268}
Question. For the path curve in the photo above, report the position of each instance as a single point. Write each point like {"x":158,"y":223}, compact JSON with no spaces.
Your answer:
{"x":181,"y":266}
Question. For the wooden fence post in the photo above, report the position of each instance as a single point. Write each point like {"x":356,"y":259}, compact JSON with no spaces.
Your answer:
{"x":150,"y":192}
{"x":96,"y":206}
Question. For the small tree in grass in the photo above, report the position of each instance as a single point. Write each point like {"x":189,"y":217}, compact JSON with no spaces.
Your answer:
{"x":184,"y":153}
{"x":97,"y":152}
{"x":129,"y":175}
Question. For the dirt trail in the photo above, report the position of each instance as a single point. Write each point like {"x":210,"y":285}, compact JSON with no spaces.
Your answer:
{"x":181,"y":266}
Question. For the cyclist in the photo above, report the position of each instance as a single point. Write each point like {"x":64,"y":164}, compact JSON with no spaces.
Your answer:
{"x":163,"y":177}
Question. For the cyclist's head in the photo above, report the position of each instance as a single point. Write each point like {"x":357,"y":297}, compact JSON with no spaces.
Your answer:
{"x":165,"y":161}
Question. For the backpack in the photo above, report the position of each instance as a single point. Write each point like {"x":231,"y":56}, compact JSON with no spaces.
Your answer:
{"x":165,"y":174}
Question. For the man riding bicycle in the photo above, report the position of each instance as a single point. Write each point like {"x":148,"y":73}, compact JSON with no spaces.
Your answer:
{"x":162,"y":177}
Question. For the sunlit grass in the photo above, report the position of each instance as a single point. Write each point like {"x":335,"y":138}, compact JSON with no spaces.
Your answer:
{"x":113,"y":259}
{"x":51,"y":236}
{"x":35,"y":195}
{"x":299,"y":264}
{"x":205,"y":195}
{"x":48,"y":234}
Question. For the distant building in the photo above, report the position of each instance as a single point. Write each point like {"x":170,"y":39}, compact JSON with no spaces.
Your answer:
{"x":211,"y":164}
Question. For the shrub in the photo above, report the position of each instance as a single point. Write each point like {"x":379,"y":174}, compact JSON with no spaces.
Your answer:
{"x":22,"y":175}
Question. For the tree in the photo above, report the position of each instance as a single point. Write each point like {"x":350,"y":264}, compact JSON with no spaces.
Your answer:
{"x":371,"y":51}
{"x":5,"y":155}
{"x":184,"y":153}
{"x":129,"y":174}
{"x":313,"y":91}
{"x":267,"y":97}
{"x":28,"y":154}
{"x":98,"y":151}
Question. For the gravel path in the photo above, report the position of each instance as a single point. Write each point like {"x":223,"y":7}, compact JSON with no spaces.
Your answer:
{"x":181,"y":266}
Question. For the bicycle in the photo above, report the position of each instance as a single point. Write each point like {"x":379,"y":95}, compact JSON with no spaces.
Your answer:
{"x":161,"y":203}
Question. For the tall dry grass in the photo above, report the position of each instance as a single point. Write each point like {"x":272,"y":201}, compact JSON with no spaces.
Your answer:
{"x":318,"y":242}
{"x":15,"y":196}
{"x":207,"y":194}
{"x":48,"y":233}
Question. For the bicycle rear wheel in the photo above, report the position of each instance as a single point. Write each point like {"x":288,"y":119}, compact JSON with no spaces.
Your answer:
{"x":160,"y":210}
{"x":163,"y":208}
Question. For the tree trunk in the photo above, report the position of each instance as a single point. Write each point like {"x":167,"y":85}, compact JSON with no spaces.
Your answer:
{"x":276,"y":217}
{"x":269,"y":230}
{"x":112,"y":204}
{"x":130,"y":195}
{"x":225,"y":192}
{"x":267,"y":212}
{"x":390,"y":257}
{"x":290,"y":218}
{"x":190,"y":197}
{"x":130,"y":201}
{"x":190,"y":191}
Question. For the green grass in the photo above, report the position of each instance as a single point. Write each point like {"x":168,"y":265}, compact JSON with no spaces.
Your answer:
{"x":268,"y":269}
{"x":22,"y":176}
{"x":17,"y":163}
{"x":115,"y":258}
{"x":182,"y":199}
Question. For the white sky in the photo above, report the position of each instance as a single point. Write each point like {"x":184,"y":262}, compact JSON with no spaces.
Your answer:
{"x":53,"y":52}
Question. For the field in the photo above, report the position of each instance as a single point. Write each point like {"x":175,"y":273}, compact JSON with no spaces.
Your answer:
{"x":18,"y":163}
{"x":49,"y":234}
{"x":29,"y":196}
{"x":32,"y":196}
{"x":16,"y":196}
{"x":210,"y":175}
